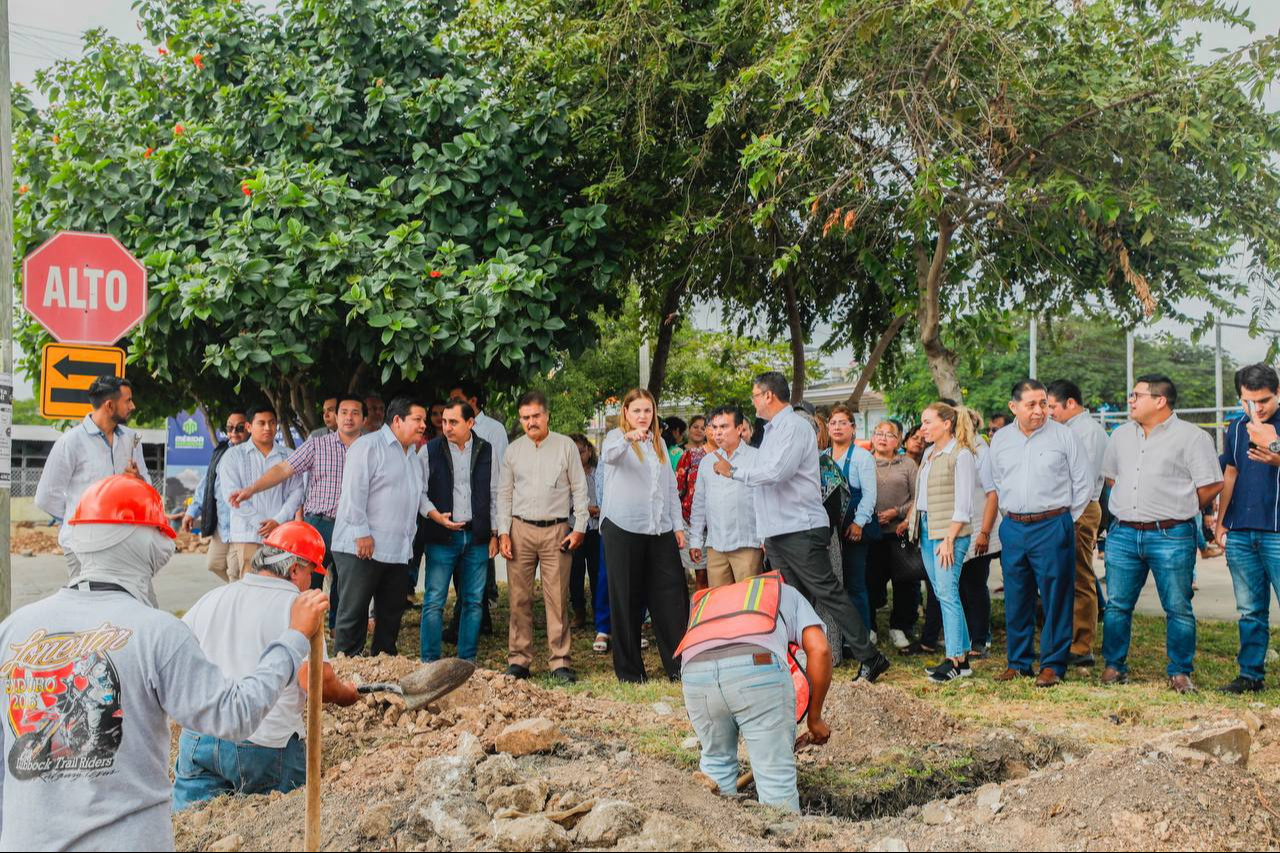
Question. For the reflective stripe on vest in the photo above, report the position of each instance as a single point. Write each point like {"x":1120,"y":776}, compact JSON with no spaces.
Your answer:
{"x":734,"y":611}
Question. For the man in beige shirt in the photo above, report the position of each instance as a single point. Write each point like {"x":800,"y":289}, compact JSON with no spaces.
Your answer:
{"x":541,"y":477}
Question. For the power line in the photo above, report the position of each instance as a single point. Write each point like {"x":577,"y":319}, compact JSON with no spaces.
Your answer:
{"x":76,"y":36}
{"x":59,"y":41}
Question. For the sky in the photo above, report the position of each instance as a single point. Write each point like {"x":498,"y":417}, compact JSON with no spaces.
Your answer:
{"x":42,"y":31}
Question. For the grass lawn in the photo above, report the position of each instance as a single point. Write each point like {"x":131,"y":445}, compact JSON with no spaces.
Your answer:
{"x":1099,"y":713}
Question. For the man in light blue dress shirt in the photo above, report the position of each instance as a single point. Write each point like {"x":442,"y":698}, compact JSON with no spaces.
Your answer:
{"x":790,"y":516}
{"x":383,"y":493}
{"x":1041,"y":475}
{"x":241,"y":466}
{"x":722,"y":520}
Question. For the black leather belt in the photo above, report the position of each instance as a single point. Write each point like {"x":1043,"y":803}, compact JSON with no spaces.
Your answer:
{"x":1033,"y":517}
{"x":1163,"y":524}
{"x":543,"y":523}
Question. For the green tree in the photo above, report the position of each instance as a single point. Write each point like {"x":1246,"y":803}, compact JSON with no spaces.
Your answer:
{"x":990,"y":154}
{"x":1089,"y":351}
{"x":331,"y":194}
{"x":708,"y":369}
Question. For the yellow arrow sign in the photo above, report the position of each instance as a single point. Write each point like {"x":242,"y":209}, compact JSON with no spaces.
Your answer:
{"x":67,"y":371}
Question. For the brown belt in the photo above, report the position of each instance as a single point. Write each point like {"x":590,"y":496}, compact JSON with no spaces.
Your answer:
{"x":1032,"y":517}
{"x":1163,"y":524}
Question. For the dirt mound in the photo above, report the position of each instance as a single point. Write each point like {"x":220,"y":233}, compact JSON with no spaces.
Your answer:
{"x":509,"y":765}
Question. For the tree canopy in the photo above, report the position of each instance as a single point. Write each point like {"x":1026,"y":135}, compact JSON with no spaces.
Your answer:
{"x":330,"y":195}
{"x":982,"y":155}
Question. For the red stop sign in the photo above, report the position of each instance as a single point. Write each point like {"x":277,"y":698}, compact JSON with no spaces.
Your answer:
{"x":84,"y":288}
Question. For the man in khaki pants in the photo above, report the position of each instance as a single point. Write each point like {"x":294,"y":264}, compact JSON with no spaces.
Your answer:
{"x":541,"y":477}
{"x":241,"y":466}
{"x":723,"y":516}
{"x":1066,"y":407}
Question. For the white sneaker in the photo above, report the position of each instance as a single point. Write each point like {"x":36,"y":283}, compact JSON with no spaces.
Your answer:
{"x":872,"y":637}
{"x":898,"y":638}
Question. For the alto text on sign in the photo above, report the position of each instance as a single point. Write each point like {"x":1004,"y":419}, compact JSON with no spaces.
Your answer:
{"x":84,"y":288}
{"x":66,"y":373}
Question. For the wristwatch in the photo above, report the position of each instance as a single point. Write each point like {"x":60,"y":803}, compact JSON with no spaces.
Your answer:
{"x":1274,"y":446}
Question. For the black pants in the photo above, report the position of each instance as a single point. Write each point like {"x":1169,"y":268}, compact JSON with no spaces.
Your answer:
{"x":362,"y":581}
{"x":586,"y":562}
{"x":975,"y":598}
{"x":644,"y":570}
{"x":906,"y":594}
{"x":805,"y":563}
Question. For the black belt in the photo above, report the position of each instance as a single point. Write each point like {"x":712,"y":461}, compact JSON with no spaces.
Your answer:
{"x":543,"y":523}
{"x":319,"y":515}
{"x":1163,"y":524}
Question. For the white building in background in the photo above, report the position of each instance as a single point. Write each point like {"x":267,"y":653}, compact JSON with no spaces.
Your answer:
{"x":31,"y":446}
{"x":871,"y":408}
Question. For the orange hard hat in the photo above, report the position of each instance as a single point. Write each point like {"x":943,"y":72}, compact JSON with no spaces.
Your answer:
{"x":301,"y":540}
{"x":121,"y":499}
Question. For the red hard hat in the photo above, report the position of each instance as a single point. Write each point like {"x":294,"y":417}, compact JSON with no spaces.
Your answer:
{"x":121,"y":499}
{"x":301,"y":540}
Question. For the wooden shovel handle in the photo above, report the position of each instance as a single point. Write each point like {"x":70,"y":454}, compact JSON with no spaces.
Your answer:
{"x":315,"y":689}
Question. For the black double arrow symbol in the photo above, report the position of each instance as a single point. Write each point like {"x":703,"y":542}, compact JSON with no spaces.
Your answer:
{"x":70,"y":368}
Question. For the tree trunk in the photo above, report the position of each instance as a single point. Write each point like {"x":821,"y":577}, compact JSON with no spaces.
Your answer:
{"x":797,"y":338}
{"x":667,"y":320}
{"x":353,"y":385}
{"x":873,"y":360}
{"x":930,"y":272}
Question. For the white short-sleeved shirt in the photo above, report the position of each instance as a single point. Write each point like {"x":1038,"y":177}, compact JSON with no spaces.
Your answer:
{"x":1156,"y":475}
{"x":234,"y":624}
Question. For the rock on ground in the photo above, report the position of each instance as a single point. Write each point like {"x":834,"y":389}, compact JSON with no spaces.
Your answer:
{"x":529,"y":736}
{"x":535,"y":834}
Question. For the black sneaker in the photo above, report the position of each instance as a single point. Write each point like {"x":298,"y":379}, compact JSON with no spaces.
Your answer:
{"x":918,"y":648}
{"x":564,"y":675}
{"x":872,"y":668}
{"x":1085,"y":660}
{"x":948,"y":670}
{"x":1243,"y":685}
{"x":518,"y":671}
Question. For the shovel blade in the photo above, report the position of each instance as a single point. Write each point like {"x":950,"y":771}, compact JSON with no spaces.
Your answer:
{"x":429,"y":682}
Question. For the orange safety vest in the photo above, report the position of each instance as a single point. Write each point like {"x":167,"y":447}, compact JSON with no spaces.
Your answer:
{"x":744,"y":609}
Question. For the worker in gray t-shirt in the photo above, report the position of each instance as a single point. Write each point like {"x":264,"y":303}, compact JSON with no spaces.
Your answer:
{"x":739,"y":682}
{"x":92,"y":675}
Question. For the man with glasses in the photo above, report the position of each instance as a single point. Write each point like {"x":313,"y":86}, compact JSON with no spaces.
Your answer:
{"x":790,"y":517}
{"x":1161,"y":469}
{"x":212,"y":511}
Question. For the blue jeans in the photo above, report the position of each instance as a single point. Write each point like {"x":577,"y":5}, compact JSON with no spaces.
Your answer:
{"x":600,"y":594}
{"x":853,"y":562}
{"x":1170,"y":556}
{"x":734,"y":694}
{"x":1253,"y":556}
{"x":325,"y":527}
{"x":471,"y":559}
{"x":1039,"y":556}
{"x":208,"y":767}
{"x":946,"y":586}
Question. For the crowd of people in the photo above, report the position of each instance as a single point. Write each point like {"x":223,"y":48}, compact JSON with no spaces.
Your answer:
{"x":792,"y":531}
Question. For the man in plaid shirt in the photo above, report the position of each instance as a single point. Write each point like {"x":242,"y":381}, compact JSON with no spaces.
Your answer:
{"x":321,"y":459}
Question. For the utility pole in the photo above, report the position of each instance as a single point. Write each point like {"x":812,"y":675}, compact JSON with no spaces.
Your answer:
{"x":1217,"y":380}
{"x":1035,"y":333}
{"x":1128,"y":361}
{"x":6,"y":313}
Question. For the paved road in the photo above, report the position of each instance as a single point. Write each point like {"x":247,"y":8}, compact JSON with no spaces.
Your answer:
{"x":185,"y":579}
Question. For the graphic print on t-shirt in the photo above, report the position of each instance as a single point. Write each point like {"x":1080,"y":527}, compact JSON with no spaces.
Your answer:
{"x":63,"y":704}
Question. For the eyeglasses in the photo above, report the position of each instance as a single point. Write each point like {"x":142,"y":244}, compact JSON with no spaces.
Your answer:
{"x":884,"y":435}
{"x":1135,"y":394}
{"x":237,"y":428}
{"x":840,"y":423}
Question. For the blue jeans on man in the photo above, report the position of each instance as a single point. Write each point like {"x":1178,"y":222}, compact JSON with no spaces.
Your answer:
{"x":1039,"y":556}
{"x":732,"y":695}
{"x":208,"y":767}
{"x":1170,"y":556}
{"x":470,"y":557}
{"x":1253,"y":556}
{"x":324,"y":524}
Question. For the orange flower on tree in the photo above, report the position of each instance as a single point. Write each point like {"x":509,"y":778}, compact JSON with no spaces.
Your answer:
{"x":245,"y":188}
{"x":198,"y":61}
{"x":178,"y":130}
{"x":146,"y":155}
{"x":436,"y":273}
{"x":23,"y":188}
{"x":163,"y":52}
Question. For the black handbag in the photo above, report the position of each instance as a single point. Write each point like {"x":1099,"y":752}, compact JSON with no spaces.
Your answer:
{"x":906,"y":565}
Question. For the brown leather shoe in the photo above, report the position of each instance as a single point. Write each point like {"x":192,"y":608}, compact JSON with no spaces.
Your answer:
{"x":1048,"y":678}
{"x":1111,"y":676}
{"x":1011,"y":674}
{"x":1181,"y":683}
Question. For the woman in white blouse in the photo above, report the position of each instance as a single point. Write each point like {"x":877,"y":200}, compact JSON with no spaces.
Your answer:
{"x":943,"y":523}
{"x":643,"y":531}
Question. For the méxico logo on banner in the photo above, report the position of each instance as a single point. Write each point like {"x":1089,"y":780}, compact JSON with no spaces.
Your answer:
{"x":188,"y":449}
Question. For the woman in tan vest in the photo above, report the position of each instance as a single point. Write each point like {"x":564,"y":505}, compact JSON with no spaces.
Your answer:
{"x":942,"y":523}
